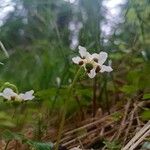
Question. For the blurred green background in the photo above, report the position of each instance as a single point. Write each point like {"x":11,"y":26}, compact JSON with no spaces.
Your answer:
{"x":41,"y":37}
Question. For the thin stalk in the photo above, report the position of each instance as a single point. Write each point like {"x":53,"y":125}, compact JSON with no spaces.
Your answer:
{"x":106,"y":96}
{"x":65,"y":110}
{"x":6,"y":145}
{"x":80,"y":106}
{"x":94,"y":96}
{"x":4,"y":49}
{"x":16,"y":145}
{"x":39,"y":131}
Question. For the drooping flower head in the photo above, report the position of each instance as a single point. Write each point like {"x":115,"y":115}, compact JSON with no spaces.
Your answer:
{"x":9,"y":94}
{"x":92,"y":63}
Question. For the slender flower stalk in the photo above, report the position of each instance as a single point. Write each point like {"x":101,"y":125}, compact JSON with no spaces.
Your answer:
{"x":93,"y":64}
{"x":65,"y":109}
{"x":94,"y":96}
{"x":7,"y":145}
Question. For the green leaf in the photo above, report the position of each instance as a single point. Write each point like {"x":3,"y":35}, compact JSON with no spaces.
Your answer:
{"x":146,"y":146}
{"x":5,"y":120}
{"x":8,"y":135}
{"x":146,"y":115}
{"x":114,"y":145}
{"x":40,"y":145}
{"x":146,"y":96}
{"x":129,"y":89}
{"x":7,"y":123}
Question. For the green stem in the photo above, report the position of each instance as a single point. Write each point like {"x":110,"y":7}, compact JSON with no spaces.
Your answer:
{"x":65,"y":110}
{"x":94,"y":97}
{"x":80,"y":106}
{"x":106,"y":96}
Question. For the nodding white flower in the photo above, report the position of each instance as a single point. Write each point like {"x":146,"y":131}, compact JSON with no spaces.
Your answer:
{"x":9,"y":94}
{"x":92,"y":63}
{"x":27,"y":95}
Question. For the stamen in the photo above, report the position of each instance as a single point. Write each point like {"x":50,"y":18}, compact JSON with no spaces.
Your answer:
{"x":88,"y":71}
{"x":95,"y":59}
{"x":13,"y":98}
{"x":98,"y":68}
{"x":81,"y":63}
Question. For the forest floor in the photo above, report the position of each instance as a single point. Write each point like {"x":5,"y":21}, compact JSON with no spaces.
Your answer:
{"x":120,"y":129}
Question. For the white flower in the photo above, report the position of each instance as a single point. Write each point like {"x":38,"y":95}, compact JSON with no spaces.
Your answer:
{"x":9,"y":94}
{"x":92,"y":63}
{"x":27,"y":95}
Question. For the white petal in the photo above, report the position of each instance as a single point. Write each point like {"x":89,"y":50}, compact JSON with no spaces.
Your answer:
{"x":88,"y":56}
{"x":8,"y":93}
{"x":95,"y":55}
{"x":92,"y":73}
{"x":76,"y":60}
{"x":82,"y":51}
{"x":102,"y":57}
{"x":106,"y":69}
{"x":8,"y":90}
{"x":28,"y":95}
{"x":21,"y":96}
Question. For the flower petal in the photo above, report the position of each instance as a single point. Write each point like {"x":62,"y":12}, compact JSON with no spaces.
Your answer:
{"x":8,"y":90}
{"x":102,"y":57}
{"x":95,"y":55}
{"x":105,"y":68}
{"x":8,"y":93}
{"x":21,"y":96}
{"x":76,"y":59}
{"x":88,"y":56}
{"x":82,"y":51}
{"x":92,"y":73}
{"x":27,"y":96}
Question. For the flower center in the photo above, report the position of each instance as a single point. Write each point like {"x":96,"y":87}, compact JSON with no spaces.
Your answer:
{"x":89,"y":67}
